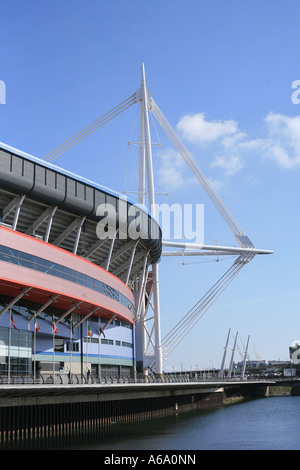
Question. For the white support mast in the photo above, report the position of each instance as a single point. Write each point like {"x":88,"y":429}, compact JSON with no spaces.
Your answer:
{"x":145,"y":165}
{"x":221,"y":373}
{"x":142,"y":189}
{"x":245,"y":359}
{"x":232,"y":357}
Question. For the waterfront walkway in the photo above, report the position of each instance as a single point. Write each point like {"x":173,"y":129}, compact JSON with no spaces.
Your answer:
{"x":54,"y":405}
{"x":64,"y":379}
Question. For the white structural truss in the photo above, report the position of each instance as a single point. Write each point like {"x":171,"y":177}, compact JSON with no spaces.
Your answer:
{"x":154,"y":348}
{"x":246,"y":251}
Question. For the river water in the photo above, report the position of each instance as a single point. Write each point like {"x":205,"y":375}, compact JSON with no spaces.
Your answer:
{"x":263,"y":424}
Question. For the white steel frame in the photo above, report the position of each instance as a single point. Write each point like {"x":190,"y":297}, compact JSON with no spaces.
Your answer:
{"x":245,"y":251}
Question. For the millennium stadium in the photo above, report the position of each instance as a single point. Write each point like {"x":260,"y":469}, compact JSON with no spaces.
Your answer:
{"x":67,"y":295}
{"x":79,"y":282}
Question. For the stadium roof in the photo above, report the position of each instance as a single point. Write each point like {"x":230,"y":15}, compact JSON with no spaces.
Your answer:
{"x":60,"y":207}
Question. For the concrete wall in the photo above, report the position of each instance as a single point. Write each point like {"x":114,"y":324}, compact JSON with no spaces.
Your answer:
{"x":36,"y":409}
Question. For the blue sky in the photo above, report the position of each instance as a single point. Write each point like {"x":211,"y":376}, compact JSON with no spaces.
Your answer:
{"x":222,"y":74}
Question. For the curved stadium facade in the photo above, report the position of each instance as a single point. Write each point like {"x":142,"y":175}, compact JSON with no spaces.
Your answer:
{"x":69,"y":273}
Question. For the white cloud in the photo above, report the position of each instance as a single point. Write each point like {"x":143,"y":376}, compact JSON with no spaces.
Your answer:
{"x":230,"y":147}
{"x":171,"y":172}
{"x":283,"y":141}
{"x":197,"y":130}
{"x":235,"y":140}
{"x":230,"y":163}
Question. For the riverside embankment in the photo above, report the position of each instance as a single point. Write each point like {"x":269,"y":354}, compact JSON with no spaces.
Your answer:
{"x":31,"y":409}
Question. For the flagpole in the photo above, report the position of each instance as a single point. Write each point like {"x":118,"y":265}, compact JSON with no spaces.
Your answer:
{"x":53,"y":349}
{"x":71,"y":346}
{"x":100,"y":331}
{"x":86,"y":350}
{"x":34,"y":345}
{"x":99,"y":341}
{"x":9,"y":344}
{"x":28,"y":330}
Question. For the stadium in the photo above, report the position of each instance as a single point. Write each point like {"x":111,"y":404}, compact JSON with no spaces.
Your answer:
{"x":80,"y":263}
{"x":70,"y":273}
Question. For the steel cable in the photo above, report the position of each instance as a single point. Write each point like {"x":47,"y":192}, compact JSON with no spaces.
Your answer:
{"x":90,"y":128}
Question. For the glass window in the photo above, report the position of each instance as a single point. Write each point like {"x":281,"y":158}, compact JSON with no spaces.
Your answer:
{"x":33,"y":262}
{"x":26,"y":260}
{"x":21,"y":348}
{"x":105,"y":290}
{"x":79,"y":278}
{"x":107,"y":341}
{"x":98,"y":286}
{"x":42,"y":265}
{"x":68,"y":274}
{"x":88,"y":339}
{"x":74,"y":347}
{"x":89,"y":282}
{"x":110,"y":292}
{"x":8,"y":254}
{"x":58,"y":345}
{"x":56,"y":270}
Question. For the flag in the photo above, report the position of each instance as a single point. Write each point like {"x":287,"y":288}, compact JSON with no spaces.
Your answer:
{"x":36,"y":326}
{"x":54,"y":329}
{"x":13,"y":322}
{"x":101,"y":331}
{"x":89,"y":330}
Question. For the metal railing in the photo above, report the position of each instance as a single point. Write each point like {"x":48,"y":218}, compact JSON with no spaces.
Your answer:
{"x":77,"y":379}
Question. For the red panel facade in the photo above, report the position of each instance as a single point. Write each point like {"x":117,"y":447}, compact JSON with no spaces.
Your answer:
{"x":42,"y":286}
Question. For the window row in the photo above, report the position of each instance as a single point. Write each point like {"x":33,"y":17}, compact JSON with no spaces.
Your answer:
{"x":117,"y":323}
{"x":111,"y":342}
{"x":27,"y":260}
